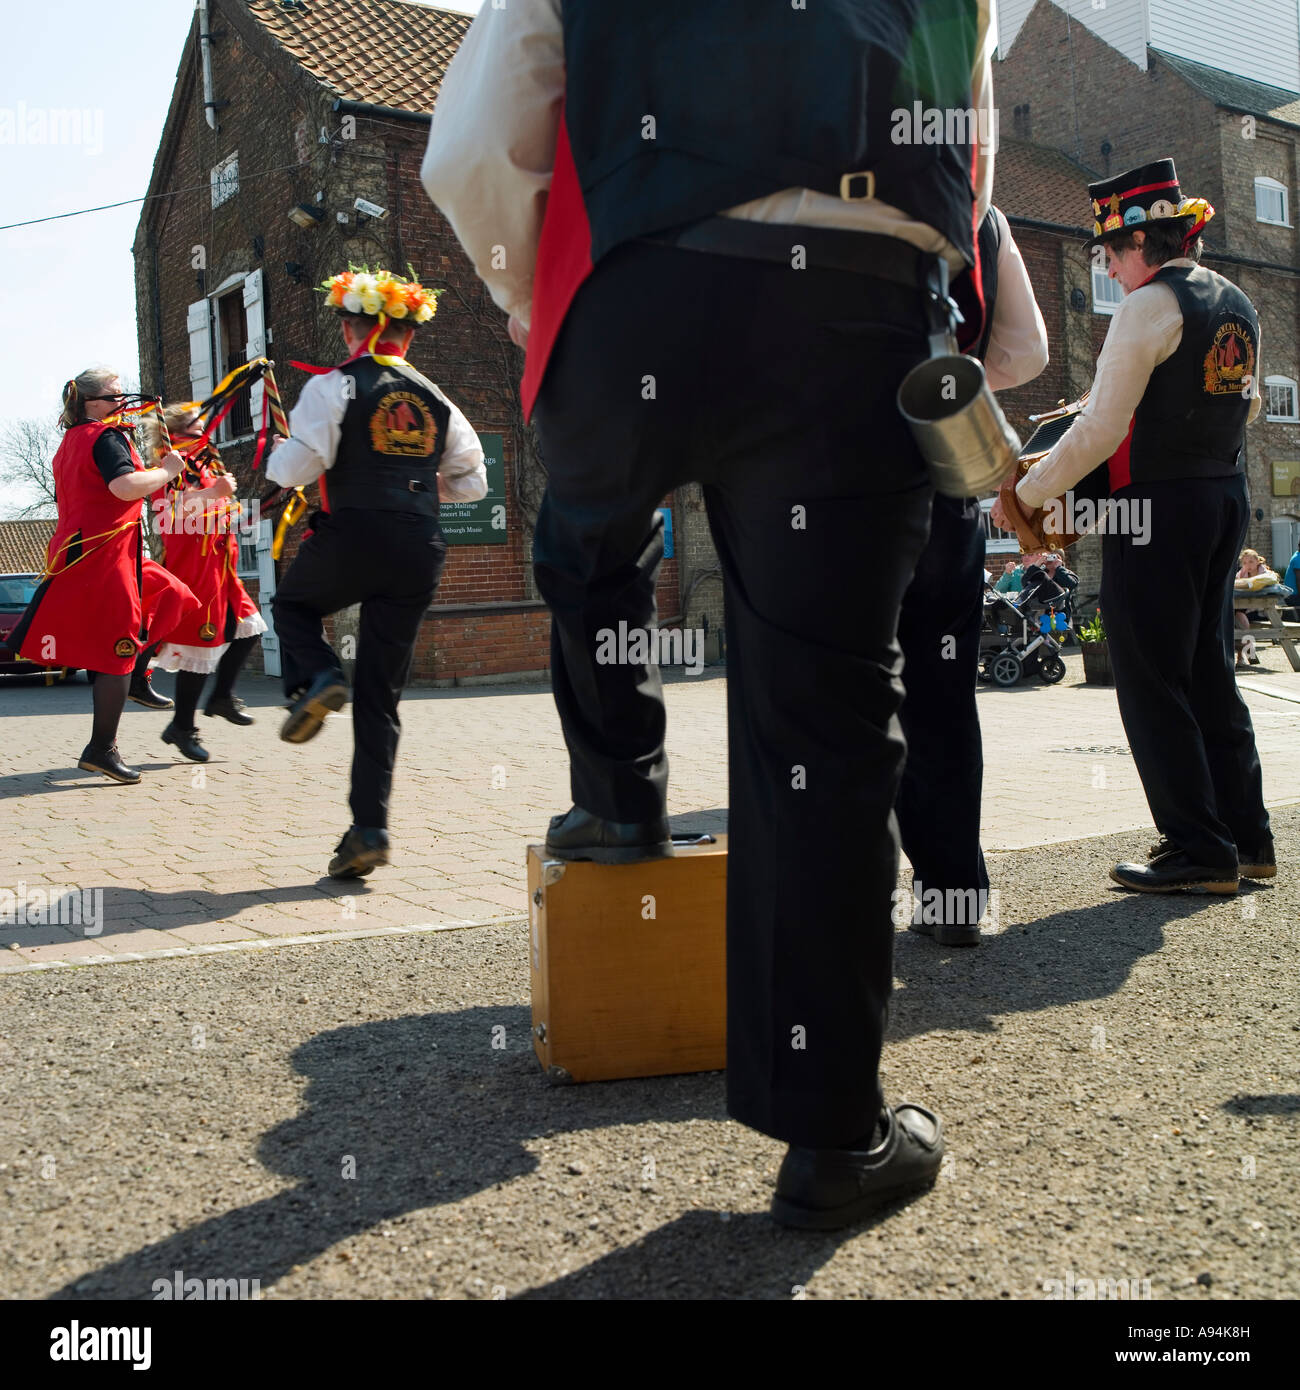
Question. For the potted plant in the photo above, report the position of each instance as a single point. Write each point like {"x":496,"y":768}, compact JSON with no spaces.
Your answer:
{"x":1096,"y":654}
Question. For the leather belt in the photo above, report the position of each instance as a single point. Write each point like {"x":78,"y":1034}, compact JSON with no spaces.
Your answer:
{"x":827,"y":248}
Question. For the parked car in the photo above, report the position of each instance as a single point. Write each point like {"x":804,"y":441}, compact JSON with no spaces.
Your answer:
{"x":16,"y":591}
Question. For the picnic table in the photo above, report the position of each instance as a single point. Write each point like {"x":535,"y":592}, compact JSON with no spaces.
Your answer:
{"x":1273,"y":628}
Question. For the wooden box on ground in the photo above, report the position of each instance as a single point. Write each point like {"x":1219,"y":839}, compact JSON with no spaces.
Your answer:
{"x":628,"y":964}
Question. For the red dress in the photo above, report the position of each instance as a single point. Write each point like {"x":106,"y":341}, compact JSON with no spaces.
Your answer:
{"x":101,"y":600}
{"x":201,"y":548}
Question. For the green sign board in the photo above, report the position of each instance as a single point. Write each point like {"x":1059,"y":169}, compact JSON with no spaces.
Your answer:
{"x":482,"y":522}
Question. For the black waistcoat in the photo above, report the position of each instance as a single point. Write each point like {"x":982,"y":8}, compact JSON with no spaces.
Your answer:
{"x":677,"y":109}
{"x":1191,"y":419}
{"x":393,"y":434}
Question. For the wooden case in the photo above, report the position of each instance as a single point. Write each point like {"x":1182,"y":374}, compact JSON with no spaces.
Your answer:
{"x":628,"y":964}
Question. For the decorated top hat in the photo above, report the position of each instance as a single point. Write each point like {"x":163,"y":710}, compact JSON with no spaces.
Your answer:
{"x":1149,"y":193}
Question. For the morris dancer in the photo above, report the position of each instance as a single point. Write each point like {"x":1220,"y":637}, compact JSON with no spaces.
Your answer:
{"x":100,"y":601}
{"x":1167,"y":414}
{"x":198,"y":518}
{"x":393,"y":445}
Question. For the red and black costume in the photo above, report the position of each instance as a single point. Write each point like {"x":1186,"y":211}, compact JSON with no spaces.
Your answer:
{"x":101,"y":600}
{"x":201,"y":548}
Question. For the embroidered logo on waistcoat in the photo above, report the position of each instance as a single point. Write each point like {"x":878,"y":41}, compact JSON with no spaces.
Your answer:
{"x":124,"y":647}
{"x":1230,"y":358}
{"x":403,"y":424}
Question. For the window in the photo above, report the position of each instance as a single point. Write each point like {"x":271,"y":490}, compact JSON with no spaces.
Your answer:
{"x":247,"y":567}
{"x":232,"y":340}
{"x":998,"y":541}
{"x":1280,"y":398}
{"x":225,"y":180}
{"x":1107,"y":294}
{"x":1271,"y":202}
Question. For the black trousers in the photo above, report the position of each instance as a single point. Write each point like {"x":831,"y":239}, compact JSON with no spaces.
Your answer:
{"x":775,"y":388}
{"x":939,"y":633}
{"x":1167,"y":607}
{"x":389,"y":563}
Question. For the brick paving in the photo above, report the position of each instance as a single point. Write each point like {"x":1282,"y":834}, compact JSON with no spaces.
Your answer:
{"x":235,"y":850}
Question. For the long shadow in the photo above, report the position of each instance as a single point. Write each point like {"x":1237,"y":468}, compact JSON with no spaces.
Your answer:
{"x":424,"y":1113}
{"x":1072,"y":955}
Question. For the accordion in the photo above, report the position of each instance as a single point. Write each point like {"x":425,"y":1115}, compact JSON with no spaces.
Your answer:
{"x":1051,"y":526}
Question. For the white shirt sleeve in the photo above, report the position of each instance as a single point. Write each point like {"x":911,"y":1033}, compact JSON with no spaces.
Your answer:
{"x":1145,"y":331}
{"x":491,"y":146}
{"x":1017,"y":350}
{"x":314,"y":431}
{"x":462,"y":474}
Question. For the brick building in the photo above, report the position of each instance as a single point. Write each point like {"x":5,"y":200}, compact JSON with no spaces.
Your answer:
{"x":284,"y":114}
{"x":1084,"y":92}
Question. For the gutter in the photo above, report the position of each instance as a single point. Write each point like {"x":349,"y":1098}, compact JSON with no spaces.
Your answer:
{"x":390,"y":113}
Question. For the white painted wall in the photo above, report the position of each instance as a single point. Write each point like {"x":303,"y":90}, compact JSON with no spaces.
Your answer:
{"x":1259,"y":40}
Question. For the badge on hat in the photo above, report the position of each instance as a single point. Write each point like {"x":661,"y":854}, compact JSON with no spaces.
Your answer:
{"x":1138,"y":197}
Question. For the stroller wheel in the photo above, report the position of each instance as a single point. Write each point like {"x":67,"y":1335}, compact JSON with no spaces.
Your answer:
{"x":1051,"y":669}
{"x":1005,"y":669}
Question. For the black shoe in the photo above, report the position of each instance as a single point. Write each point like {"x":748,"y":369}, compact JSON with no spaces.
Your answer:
{"x":228,"y":707}
{"x":187,"y":740}
{"x":142,"y":692}
{"x":579,"y":835}
{"x":1258,"y":863}
{"x":109,"y":762}
{"x":1173,"y":872}
{"x":824,"y":1189}
{"x":326,"y":693}
{"x":945,"y":933}
{"x":358,"y":852}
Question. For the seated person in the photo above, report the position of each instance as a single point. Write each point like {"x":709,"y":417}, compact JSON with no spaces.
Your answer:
{"x":1253,"y":576}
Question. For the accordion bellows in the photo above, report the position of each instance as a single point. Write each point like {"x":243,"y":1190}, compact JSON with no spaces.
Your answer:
{"x":1048,"y":527}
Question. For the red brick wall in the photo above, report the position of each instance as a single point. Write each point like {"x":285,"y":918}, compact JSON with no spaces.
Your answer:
{"x":273,"y":118}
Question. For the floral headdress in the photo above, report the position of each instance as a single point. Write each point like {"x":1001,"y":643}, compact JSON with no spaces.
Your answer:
{"x":360,"y":290}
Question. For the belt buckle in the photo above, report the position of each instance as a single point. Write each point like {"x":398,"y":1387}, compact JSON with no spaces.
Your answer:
{"x":846,"y":187}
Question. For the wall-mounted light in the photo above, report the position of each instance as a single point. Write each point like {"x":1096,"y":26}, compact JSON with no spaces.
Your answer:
{"x":305,"y":216}
{"x":296,"y":272}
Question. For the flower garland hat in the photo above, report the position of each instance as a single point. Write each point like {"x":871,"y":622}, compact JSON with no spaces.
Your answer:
{"x":381,"y":294}
{"x":1133,"y":200}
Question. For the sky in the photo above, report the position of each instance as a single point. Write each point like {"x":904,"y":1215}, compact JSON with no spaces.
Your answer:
{"x":114,"y":66}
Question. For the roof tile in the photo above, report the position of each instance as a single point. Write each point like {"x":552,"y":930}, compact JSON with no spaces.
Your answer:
{"x":388,"y":52}
{"x":23,"y":545}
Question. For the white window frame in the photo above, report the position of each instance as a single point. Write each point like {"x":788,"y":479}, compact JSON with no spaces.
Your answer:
{"x":247,"y":284}
{"x":1291,"y":385}
{"x":224,"y":179}
{"x":1265,"y":184}
{"x":1006,"y":544}
{"x":1102,"y":305}
{"x":249,"y":545}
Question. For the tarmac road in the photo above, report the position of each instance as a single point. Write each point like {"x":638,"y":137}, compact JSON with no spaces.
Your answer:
{"x":1117,"y":1073}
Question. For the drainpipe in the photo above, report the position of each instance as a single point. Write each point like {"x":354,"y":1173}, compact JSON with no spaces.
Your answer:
{"x":205,"y":48}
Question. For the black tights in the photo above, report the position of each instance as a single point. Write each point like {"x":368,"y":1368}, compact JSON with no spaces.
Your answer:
{"x":189,"y":684}
{"x":109,"y":695}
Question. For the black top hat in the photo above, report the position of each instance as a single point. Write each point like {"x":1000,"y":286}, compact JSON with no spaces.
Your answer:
{"x":1149,"y":193}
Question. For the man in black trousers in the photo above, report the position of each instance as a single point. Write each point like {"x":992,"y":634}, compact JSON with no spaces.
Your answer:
{"x":760,"y":353}
{"x":385,"y":445}
{"x":939,"y":633}
{"x":1166,"y":417}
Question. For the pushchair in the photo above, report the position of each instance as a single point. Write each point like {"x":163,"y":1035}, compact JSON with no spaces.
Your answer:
{"x":1024,"y":635}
